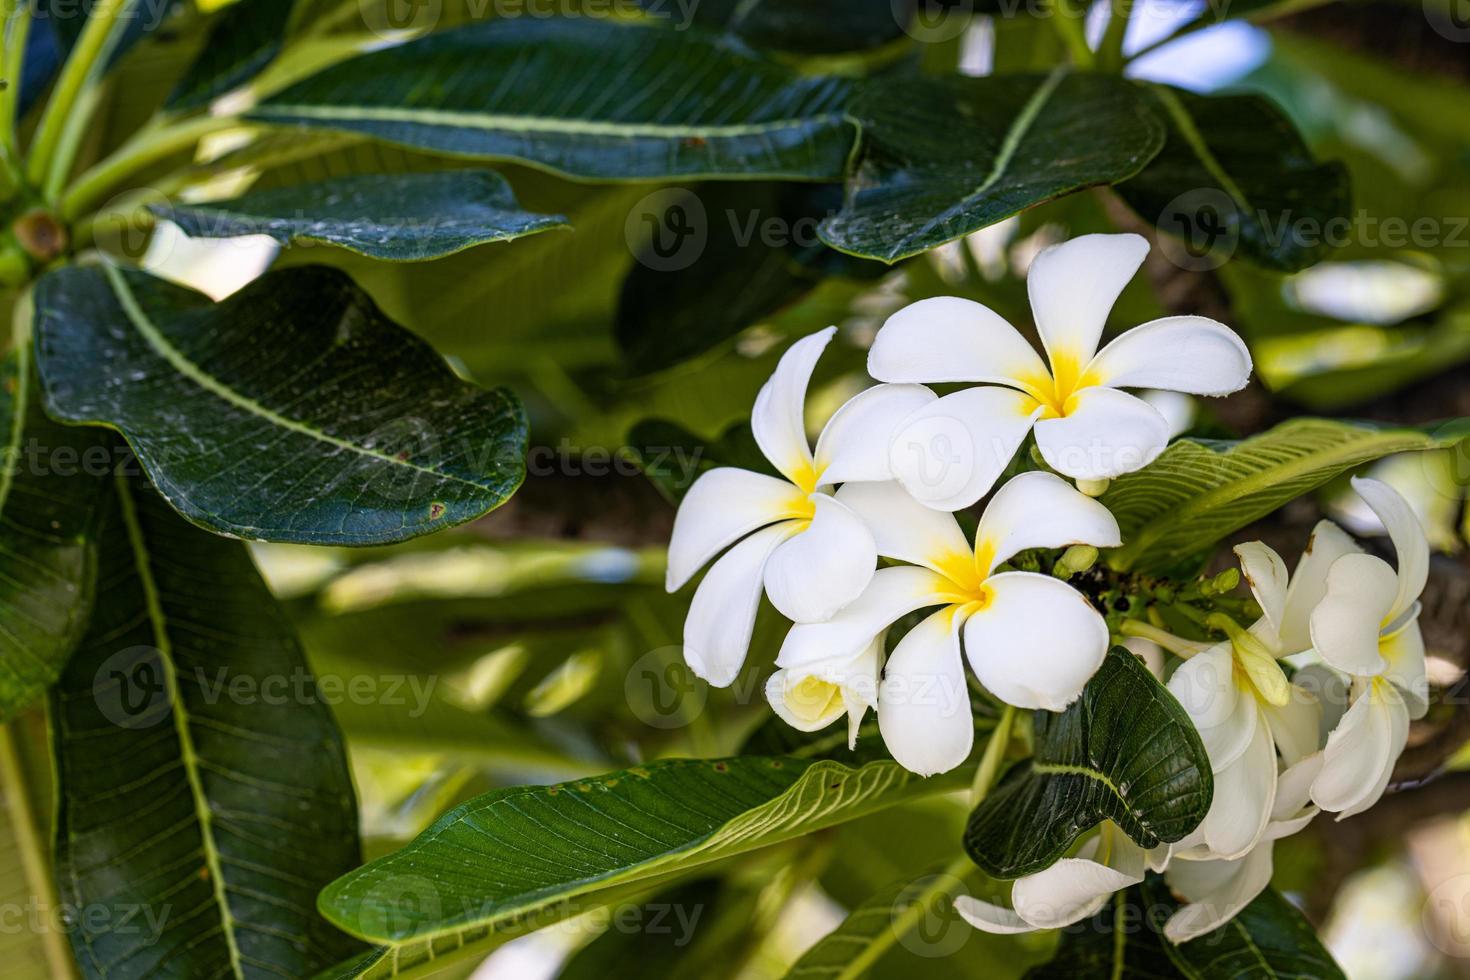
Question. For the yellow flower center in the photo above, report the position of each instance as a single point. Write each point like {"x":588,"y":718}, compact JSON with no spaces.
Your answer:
{"x":1057,"y":392}
{"x":812,"y":699}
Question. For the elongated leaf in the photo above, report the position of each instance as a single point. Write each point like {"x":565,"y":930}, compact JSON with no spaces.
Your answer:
{"x":1125,"y":751}
{"x":1125,"y":939}
{"x":202,"y":781}
{"x":584,"y":97}
{"x":1234,"y":177}
{"x":943,"y":157}
{"x":243,"y":40}
{"x":1198,"y":491}
{"x":1269,"y":939}
{"x":396,"y":217}
{"x":52,"y":478}
{"x":292,"y":411}
{"x":510,"y":853}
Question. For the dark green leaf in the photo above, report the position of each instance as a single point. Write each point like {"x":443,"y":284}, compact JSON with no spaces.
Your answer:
{"x":244,"y":39}
{"x":203,"y":786}
{"x":291,"y":411}
{"x":584,"y":97}
{"x":943,"y":157}
{"x":1234,"y":177}
{"x":1122,"y":942}
{"x":673,"y":457}
{"x":718,"y":259}
{"x":1199,"y":491}
{"x":1125,"y":751}
{"x":51,"y":482}
{"x":506,"y":855}
{"x":397,"y":217}
{"x":1268,"y":939}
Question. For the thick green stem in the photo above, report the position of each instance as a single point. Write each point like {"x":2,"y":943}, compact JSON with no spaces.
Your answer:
{"x":12,"y":65}
{"x":1068,"y":23}
{"x":143,"y":150}
{"x":79,"y":73}
{"x":1110,"y":51}
{"x":995,"y":753}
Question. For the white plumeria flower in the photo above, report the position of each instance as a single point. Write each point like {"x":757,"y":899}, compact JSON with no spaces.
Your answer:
{"x":811,"y":698}
{"x":1032,"y":640}
{"x":811,"y":554}
{"x":1216,"y":890}
{"x":1239,"y":699}
{"x":1367,"y":626}
{"x":1069,"y":891}
{"x":949,"y":453}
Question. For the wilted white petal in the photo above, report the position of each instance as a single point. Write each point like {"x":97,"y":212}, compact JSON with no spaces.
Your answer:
{"x":903,"y":528}
{"x":854,"y":443}
{"x":946,"y":338}
{"x":1330,"y":689}
{"x":1073,"y":286}
{"x":923,"y":703}
{"x":1345,"y":624}
{"x":1037,"y":642}
{"x":988,"y":917}
{"x":1295,"y":725}
{"x":723,"y":506}
{"x":778,"y":419}
{"x":822,"y":569}
{"x":1216,"y":891}
{"x":1069,"y":891}
{"x":1293,"y":808}
{"x":1040,"y":510}
{"x":1205,"y":687}
{"x":1265,"y":573}
{"x":949,"y":453}
{"x":892,"y":593}
{"x":1309,"y":582}
{"x":722,"y":613}
{"x":1361,"y":751}
{"x":1410,"y":545}
{"x":1106,"y":433}
{"x":1192,"y":354}
{"x":1245,"y":792}
{"x":1403,"y":650}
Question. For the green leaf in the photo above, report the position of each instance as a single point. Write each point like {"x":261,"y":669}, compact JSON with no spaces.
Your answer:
{"x":810,"y":27}
{"x":1234,"y":177}
{"x":1124,"y":751}
{"x":1269,"y":939}
{"x":584,"y":97}
{"x":672,"y":457}
{"x":1125,"y":939}
{"x":943,"y":157}
{"x":1198,"y":491}
{"x":243,"y":39}
{"x":202,"y":782}
{"x":395,"y":217}
{"x":721,"y":258}
{"x":291,"y":411}
{"x":51,"y":483}
{"x":508,"y":854}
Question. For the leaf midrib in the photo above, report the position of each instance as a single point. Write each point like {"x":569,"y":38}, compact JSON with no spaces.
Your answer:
{"x":209,"y":383}
{"x":1196,"y":140}
{"x":188,"y":755}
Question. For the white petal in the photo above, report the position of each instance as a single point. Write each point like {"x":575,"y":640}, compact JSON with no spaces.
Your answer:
{"x":1073,"y":287}
{"x":1309,"y":582}
{"x":1409,"y":543}
{"x":854,"y":443}
{"x":722,"y":506}
{"x":1177,"y":408}
{"x":990,"y":918}
{"x":1346,"y":623}
{"x":1361,"y":751}
{"x":1205,"y":687}
{"x":1330,"y":689}
{"x":1149,"y":652}
{"x":1294,"y":796}
{"x":1069,"y":891}
{"x":923,"y":703}
{"x":1265,"y":573}
{"x":949,"y":453}
{"x":1192,"y":354}
{"x":892,"y":593}
{"x":1040,"y":510}
{"x":1037,"y":642}
{"x":1245,"y":792}
{"x":1296,"y":725}
{"x":946,"y":338}
{"x":805,"y":703}
{"x":1105,"y":434}
{"x":905,"y":529}
{"x":778,"y":419}
{"x":722,"y":613}
{"x":818,"y":571}
{"x":1404,"y":652}
{"x":1216,"y":890}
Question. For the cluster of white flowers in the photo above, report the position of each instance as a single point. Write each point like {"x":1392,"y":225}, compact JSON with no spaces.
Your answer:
{"x":893,"y":464}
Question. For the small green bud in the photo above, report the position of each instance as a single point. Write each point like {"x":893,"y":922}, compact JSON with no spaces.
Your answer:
{"x":1093,"y":488}
{"x":1226,"y":581}
{"x":1076,"y":559}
